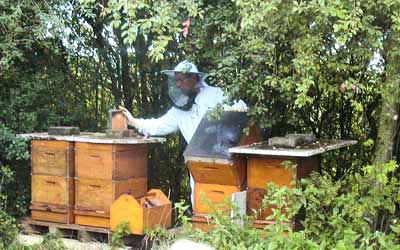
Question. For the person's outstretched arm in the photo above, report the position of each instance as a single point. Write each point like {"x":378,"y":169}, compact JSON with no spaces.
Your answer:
{"x":164,"y":125}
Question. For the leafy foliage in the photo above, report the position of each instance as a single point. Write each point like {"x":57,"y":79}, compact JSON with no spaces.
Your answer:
{"x":323,"y":67}
{"x":14,"y":192}
{"x":8,"y":229}
{"x":358,"y":212}
{"x":303,"y":66}
{"x":50,"y":241}
{"x":121,"y":230}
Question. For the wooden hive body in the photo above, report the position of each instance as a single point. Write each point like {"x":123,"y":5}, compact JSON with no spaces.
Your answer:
{"x":211,"y":171}
{"x":103,"y":173}
{"x":98,"y":195}
{"x":202,"y":222}
{"x":209,"y":197}
{"x":53,"y":190}
{"x":48,"y":212}
{"x":272,"y":169}
{"x":261,"y":170}
{"x":55,"y":158}
{"x":110,"y":161}
{"x":52,"y":184}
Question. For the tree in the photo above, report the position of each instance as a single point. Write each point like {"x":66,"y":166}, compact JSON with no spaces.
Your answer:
{"x":305,"y":66}
{"x":389,"y":115}
{"x":302,"y":66}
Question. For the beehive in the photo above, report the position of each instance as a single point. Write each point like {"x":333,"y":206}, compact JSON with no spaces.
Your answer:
{"x":273,"y":169}
{"x":216,"y":172}
{"x":281,"y":166}
{"x":52,"y":180}
{"x":103,"y":173}
{"x":106,"y":168}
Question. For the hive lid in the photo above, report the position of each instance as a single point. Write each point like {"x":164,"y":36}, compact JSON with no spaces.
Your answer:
{"x":91,"y":137}
{"x":214,"y":137}
{"x":318,"y":147}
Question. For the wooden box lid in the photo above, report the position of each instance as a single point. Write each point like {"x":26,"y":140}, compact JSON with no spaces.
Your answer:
{"x":213,"y":137}
{"x":318,"y":147}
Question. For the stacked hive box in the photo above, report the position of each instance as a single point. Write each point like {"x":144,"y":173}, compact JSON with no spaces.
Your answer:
{"x":270,"y":169}
{"x":216,"y":173}
{"x":265,"y":164}
{"x":207,"y":174}
{"x":52,"y":181}
{"x":103,"y":173}
{"x":215,"y":182}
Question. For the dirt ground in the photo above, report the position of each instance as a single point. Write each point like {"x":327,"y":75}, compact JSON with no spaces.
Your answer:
{"x":69,"y":243}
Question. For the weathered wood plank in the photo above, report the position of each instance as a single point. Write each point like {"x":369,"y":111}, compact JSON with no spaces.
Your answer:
{"x":29,"y":222}
{"x":93,"y":138}
{"x":319,"y":147}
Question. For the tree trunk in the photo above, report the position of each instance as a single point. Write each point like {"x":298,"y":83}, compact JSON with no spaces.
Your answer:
{"x":125,"y":73}
{"x":390,"y":103}
{"x":105,"y":53}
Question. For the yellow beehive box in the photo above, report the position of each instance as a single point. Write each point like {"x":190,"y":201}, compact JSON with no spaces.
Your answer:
{"x":153,"y":209}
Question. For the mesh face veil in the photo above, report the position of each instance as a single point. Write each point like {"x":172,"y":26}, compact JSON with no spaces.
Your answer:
{"x":179,"y":98}
{"x":182,"y":97}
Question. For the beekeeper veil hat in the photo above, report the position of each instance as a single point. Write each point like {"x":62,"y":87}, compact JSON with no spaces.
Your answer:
{"x":179,"y":98}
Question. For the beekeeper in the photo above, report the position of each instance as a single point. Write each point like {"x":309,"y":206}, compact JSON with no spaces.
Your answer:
{"x":191,"y":97}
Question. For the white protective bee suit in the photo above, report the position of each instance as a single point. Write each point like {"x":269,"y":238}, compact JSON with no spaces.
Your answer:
{"x":187,"y":121}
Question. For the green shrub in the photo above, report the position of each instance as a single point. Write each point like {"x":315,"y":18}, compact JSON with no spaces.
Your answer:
{"x":8,"y":229}
{"x":14,"y":173}
{"x":121,"y":231}
{"x":50,"y":242}
{"x":11,"y":147}
{"x":360,"y":211}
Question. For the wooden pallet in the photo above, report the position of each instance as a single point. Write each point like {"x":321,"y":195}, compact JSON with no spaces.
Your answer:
{"x":82,"y":233}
